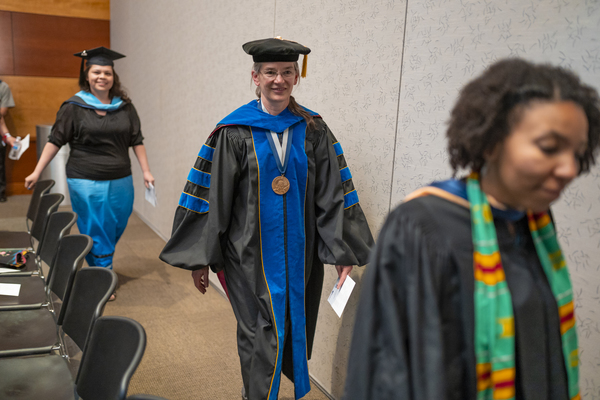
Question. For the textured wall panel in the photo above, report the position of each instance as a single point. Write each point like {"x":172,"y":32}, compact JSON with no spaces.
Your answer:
{"x":44,"y":45}
{"x":94,"y":9}
{"x":185,"y":70}
{"x":448,"y":42}
{"x":353,"y":79}
{"x":6,"y":44}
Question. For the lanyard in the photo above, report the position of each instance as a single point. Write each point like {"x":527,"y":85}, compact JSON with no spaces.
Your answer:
{"x":281,"y":152}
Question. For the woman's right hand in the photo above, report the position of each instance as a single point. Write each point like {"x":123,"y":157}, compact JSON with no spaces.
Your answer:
{"x":31,"y":180}
{"x":48,"y":154}
{"x":200,"y":277}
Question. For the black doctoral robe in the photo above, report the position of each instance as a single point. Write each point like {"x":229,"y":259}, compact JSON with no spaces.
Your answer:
{"x":271,"y":248}
{"x":414,"y":333}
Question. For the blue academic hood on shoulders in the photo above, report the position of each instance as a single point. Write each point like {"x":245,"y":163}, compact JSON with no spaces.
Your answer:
{"x":252,"y":115}
{"x":88,"y":100}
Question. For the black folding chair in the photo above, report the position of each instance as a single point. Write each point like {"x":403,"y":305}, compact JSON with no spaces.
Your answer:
{"x":20,"y":240}
{"x":62,"y":222}
{"x":111,"y":356}
{"x":112,"y":353}
{"x":41,"y":188}
{"x":59,"y":225}
{"x":34,"y":293}
{"x":28,"y":332}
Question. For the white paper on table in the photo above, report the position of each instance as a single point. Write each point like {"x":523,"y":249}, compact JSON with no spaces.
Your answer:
{"x":151,"y":195}
{"x":24,"y":146}
{"x":338,"y":298}
{"x":10,"y":289}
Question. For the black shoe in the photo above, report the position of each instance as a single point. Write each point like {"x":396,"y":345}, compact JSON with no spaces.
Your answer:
{"x":3,"y":199}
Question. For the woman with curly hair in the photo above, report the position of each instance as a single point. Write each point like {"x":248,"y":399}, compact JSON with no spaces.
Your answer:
{"x":468,"y":295}
{"x":100,"y":124}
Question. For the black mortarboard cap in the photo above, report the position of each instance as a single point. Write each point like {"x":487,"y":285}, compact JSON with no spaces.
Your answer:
{"x":99,"y":56}
{"x":276,"y":49}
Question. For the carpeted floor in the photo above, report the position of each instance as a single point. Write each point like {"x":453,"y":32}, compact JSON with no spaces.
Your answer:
{"x":191,"y":348}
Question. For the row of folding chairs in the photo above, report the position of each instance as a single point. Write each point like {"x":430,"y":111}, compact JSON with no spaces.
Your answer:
{"x":39,"y":327}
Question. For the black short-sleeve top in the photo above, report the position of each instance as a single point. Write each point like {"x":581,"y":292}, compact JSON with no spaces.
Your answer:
{"x":99,"y":144}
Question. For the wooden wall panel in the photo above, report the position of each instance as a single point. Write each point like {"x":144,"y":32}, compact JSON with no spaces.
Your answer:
{"x":37,"y":42}
{"x":94,"y":9}
{"x":37,"y":99}
{"x":44,"y":45}
{"x":6,"y":44}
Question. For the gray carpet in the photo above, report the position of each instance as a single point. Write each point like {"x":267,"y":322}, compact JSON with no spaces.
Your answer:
{"x":191,"y":348}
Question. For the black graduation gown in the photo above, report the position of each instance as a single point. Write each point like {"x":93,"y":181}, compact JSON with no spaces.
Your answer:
{"x":99,"y":144}
{"x":228,"y":237}
{"x":414,"y":333}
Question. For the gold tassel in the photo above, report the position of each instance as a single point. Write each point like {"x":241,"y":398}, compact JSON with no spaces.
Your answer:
{"x":304,"y":66}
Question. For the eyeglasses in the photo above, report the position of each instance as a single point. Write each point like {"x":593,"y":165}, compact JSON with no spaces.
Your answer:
{"x":272,"y":74}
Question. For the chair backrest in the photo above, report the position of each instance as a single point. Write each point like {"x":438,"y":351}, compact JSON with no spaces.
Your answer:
{"x":91,"y":289}
{"x":48,"y":204}
{"x":70,"y":254}
{"x":113,"y":352}
{"x":59,"y":225}
{"x":40,"y":189}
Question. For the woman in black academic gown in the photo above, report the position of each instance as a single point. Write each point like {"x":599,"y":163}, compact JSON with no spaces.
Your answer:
{"x":467,"y":295}
{"x":270,"y":199}
{"x":100,"y":124}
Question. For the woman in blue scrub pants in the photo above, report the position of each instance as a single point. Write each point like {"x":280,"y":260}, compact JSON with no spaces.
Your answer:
{"x":100,"y":124}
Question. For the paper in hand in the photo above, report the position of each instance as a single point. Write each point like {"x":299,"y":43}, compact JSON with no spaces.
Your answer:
{"x":151,"y":195}
{"x":24,"y":146}
{"x":339,"y":297}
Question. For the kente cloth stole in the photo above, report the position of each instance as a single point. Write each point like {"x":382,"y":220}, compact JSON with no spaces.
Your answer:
{"x":494,"y":318}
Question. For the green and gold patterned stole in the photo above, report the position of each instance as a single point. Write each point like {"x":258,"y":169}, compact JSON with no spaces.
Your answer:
{"x":494,"y":319}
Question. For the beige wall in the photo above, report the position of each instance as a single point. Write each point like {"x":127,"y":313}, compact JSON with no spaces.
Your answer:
{"x":385,"y":96}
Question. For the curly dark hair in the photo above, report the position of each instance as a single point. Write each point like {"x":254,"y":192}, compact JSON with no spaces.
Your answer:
{"x":115,"y":90}
{"x":489,"y":106}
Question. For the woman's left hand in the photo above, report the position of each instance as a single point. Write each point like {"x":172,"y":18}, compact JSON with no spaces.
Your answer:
{"x":148,"y":179}
{"x":343,"y":272}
